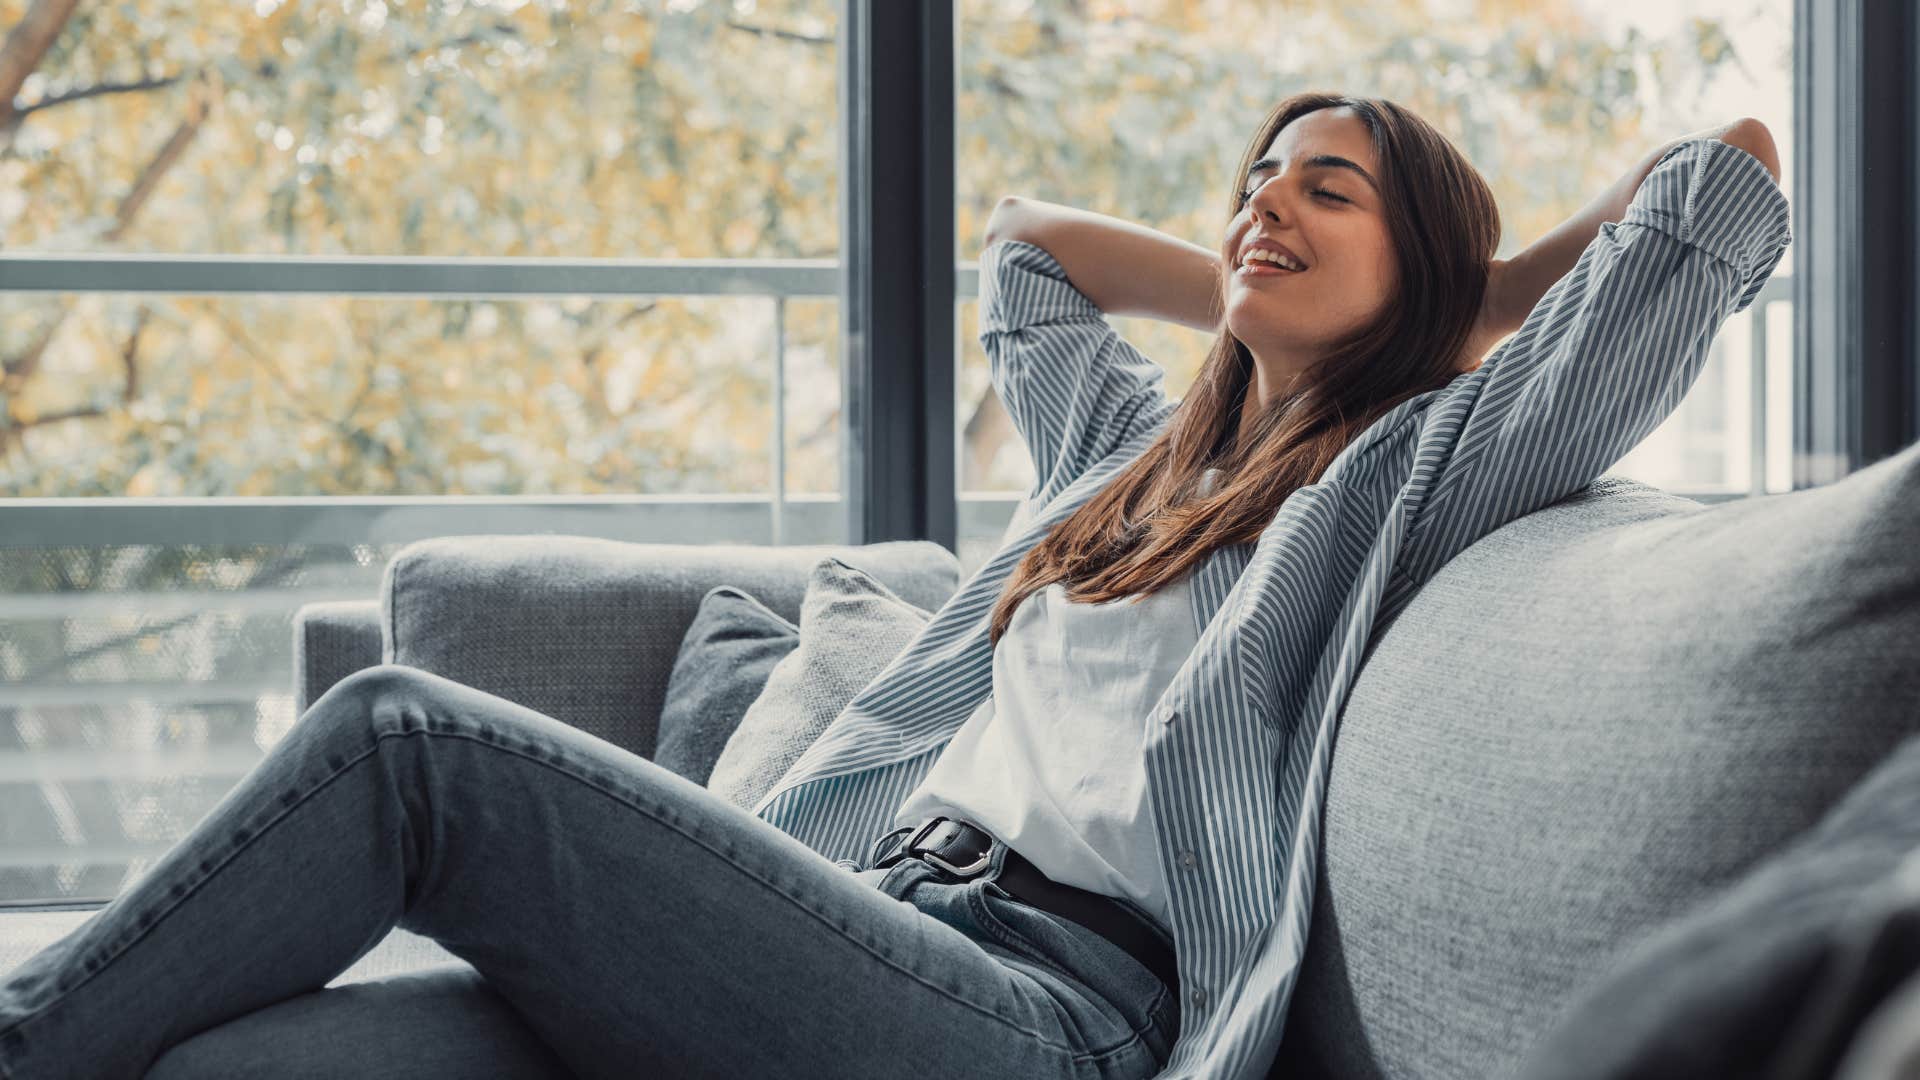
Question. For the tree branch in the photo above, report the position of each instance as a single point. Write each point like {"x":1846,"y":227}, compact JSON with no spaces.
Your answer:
{"x":776,"y":32}
{"x":12,"y":434}
{"x":96,"y":90}
{"x":590,"y":356}
{"x":16,"y":370}
{"x":298,"y":397}
{"x":130,"y":354}
{"x":26,"y":45}
{"x":199,"y":106}
{"x":78,"y":413}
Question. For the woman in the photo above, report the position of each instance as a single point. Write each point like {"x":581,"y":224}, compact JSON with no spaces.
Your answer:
{"x":1080,"y":832}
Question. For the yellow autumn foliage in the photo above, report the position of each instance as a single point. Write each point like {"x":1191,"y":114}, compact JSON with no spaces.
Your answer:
{"x":617,"y":129}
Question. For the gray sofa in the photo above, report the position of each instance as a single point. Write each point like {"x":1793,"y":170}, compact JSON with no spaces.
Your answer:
{"x":1585,"y":723}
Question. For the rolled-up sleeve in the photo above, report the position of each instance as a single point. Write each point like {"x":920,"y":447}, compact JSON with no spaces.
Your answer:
{"x":1075,"y":389}
{"x":1606,"y":355}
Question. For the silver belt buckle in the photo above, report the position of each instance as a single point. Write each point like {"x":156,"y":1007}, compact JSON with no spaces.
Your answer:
{"x":986,"y":856}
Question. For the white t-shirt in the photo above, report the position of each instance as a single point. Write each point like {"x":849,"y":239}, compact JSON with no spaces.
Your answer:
{"x":1052,"y":761}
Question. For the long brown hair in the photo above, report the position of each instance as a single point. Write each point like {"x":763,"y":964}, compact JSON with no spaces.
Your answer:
{"x":1138,"y":534}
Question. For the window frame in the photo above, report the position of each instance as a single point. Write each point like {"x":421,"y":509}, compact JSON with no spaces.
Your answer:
{"x":1856,"y":396}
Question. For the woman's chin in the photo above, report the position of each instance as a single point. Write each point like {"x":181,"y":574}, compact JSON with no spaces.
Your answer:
{"x":1252,"y":322}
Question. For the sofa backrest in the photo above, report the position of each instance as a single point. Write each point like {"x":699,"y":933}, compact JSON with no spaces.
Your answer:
{"x":1582,"y":725}
{"x":586,"y":629}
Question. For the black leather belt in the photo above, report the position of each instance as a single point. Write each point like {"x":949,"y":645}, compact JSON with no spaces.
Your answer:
{"x":963,"y":850}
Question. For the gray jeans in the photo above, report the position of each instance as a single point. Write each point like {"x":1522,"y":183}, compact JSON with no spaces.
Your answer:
{"x":614,"y":919}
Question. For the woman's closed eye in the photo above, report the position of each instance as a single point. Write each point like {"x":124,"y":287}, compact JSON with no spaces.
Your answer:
{"x":1248,"y":194}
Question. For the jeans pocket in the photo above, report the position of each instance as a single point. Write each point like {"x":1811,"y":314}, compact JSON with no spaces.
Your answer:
{"x":991,"y":906}
{"x":1138,"y":1000}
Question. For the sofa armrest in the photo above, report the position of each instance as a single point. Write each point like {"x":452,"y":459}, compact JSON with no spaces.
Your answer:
{"x":585,"y":629}
{"x":331,"y":641}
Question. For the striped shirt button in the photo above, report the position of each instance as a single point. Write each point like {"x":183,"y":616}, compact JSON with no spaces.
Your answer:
{"x":1171,"y":716}
{"x":1198,"y":997}
{"x":1187,"y":860}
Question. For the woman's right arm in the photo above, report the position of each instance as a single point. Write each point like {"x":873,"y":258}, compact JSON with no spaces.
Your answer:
{"x":1124,"y":268}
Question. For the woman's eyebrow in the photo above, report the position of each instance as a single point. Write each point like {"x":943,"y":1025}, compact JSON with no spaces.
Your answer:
{"x":1317,"y":161}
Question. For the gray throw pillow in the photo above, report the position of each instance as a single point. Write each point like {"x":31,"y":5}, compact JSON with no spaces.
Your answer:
{"x":1582,"y":725}
{"x":725,"y":657}
{"x":851,"y":627}
{"x":1774,"y":976}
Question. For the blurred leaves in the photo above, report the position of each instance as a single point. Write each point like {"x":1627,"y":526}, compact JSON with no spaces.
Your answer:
{"x":656,"y":129}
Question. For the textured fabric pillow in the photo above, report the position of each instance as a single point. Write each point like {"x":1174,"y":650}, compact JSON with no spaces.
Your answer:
{"x":1584,"y":724}
{"x":851,"y":627}
{"x":729,"y":650}
{"x":1774,"y":976}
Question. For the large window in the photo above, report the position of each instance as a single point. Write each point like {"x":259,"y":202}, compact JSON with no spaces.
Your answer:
{"x":272,"y":262}
{"x":286,"y":285}
{"x":1140,"y":109}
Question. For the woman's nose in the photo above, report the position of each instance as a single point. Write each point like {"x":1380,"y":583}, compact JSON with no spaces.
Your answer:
{"x":1268,"y":203}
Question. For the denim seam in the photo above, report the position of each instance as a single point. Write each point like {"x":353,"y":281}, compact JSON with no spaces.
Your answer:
{"x":617,"y":796}
{"x":1154,"y":1018}
{"x":1006,"y":935}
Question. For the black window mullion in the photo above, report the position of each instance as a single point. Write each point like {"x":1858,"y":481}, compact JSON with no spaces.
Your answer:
{"x":897,"y":271}
{"x":1887,"y":280}
{"x":1855,"y":125}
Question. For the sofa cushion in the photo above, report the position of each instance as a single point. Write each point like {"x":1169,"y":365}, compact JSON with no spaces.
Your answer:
{"x":1773,"y":976}
{"x":585,"y":629}
{"x":851,"y":627}
{"x":723,"y":664}
{"x":1583,"y":724}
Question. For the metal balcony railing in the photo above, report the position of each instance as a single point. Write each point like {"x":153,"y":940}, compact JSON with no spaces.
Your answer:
{"x":776,"y":518}
{"x":367,"y":525}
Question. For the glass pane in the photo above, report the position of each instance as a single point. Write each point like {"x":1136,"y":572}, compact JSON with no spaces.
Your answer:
{"x":139,"y":682}
{"x":644,"y":128}
{"x":1779,"y":418}
{"x":1145,"y":115}
{"x":144,"y":395}
{"x":137,"y":685}
{"x":140,"y":677}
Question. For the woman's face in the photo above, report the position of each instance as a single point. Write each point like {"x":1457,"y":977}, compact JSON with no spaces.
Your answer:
{"x":1313,"y":193}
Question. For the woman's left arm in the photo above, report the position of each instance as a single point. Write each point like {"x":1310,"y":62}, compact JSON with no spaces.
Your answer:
{"x":1609,"y":350}
{"x":1515,"y":286}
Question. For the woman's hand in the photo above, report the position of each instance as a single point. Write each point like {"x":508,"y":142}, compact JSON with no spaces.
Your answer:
{"x":1748,"y":134}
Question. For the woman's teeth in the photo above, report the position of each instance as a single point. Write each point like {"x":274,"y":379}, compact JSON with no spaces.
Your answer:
{"x":1264,"y":258}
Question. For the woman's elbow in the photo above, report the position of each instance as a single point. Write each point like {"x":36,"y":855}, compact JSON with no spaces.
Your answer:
{"x":1002,"y":222}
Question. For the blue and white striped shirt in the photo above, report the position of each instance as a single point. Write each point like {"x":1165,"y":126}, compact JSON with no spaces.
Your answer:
{"x":1237,"y":765}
